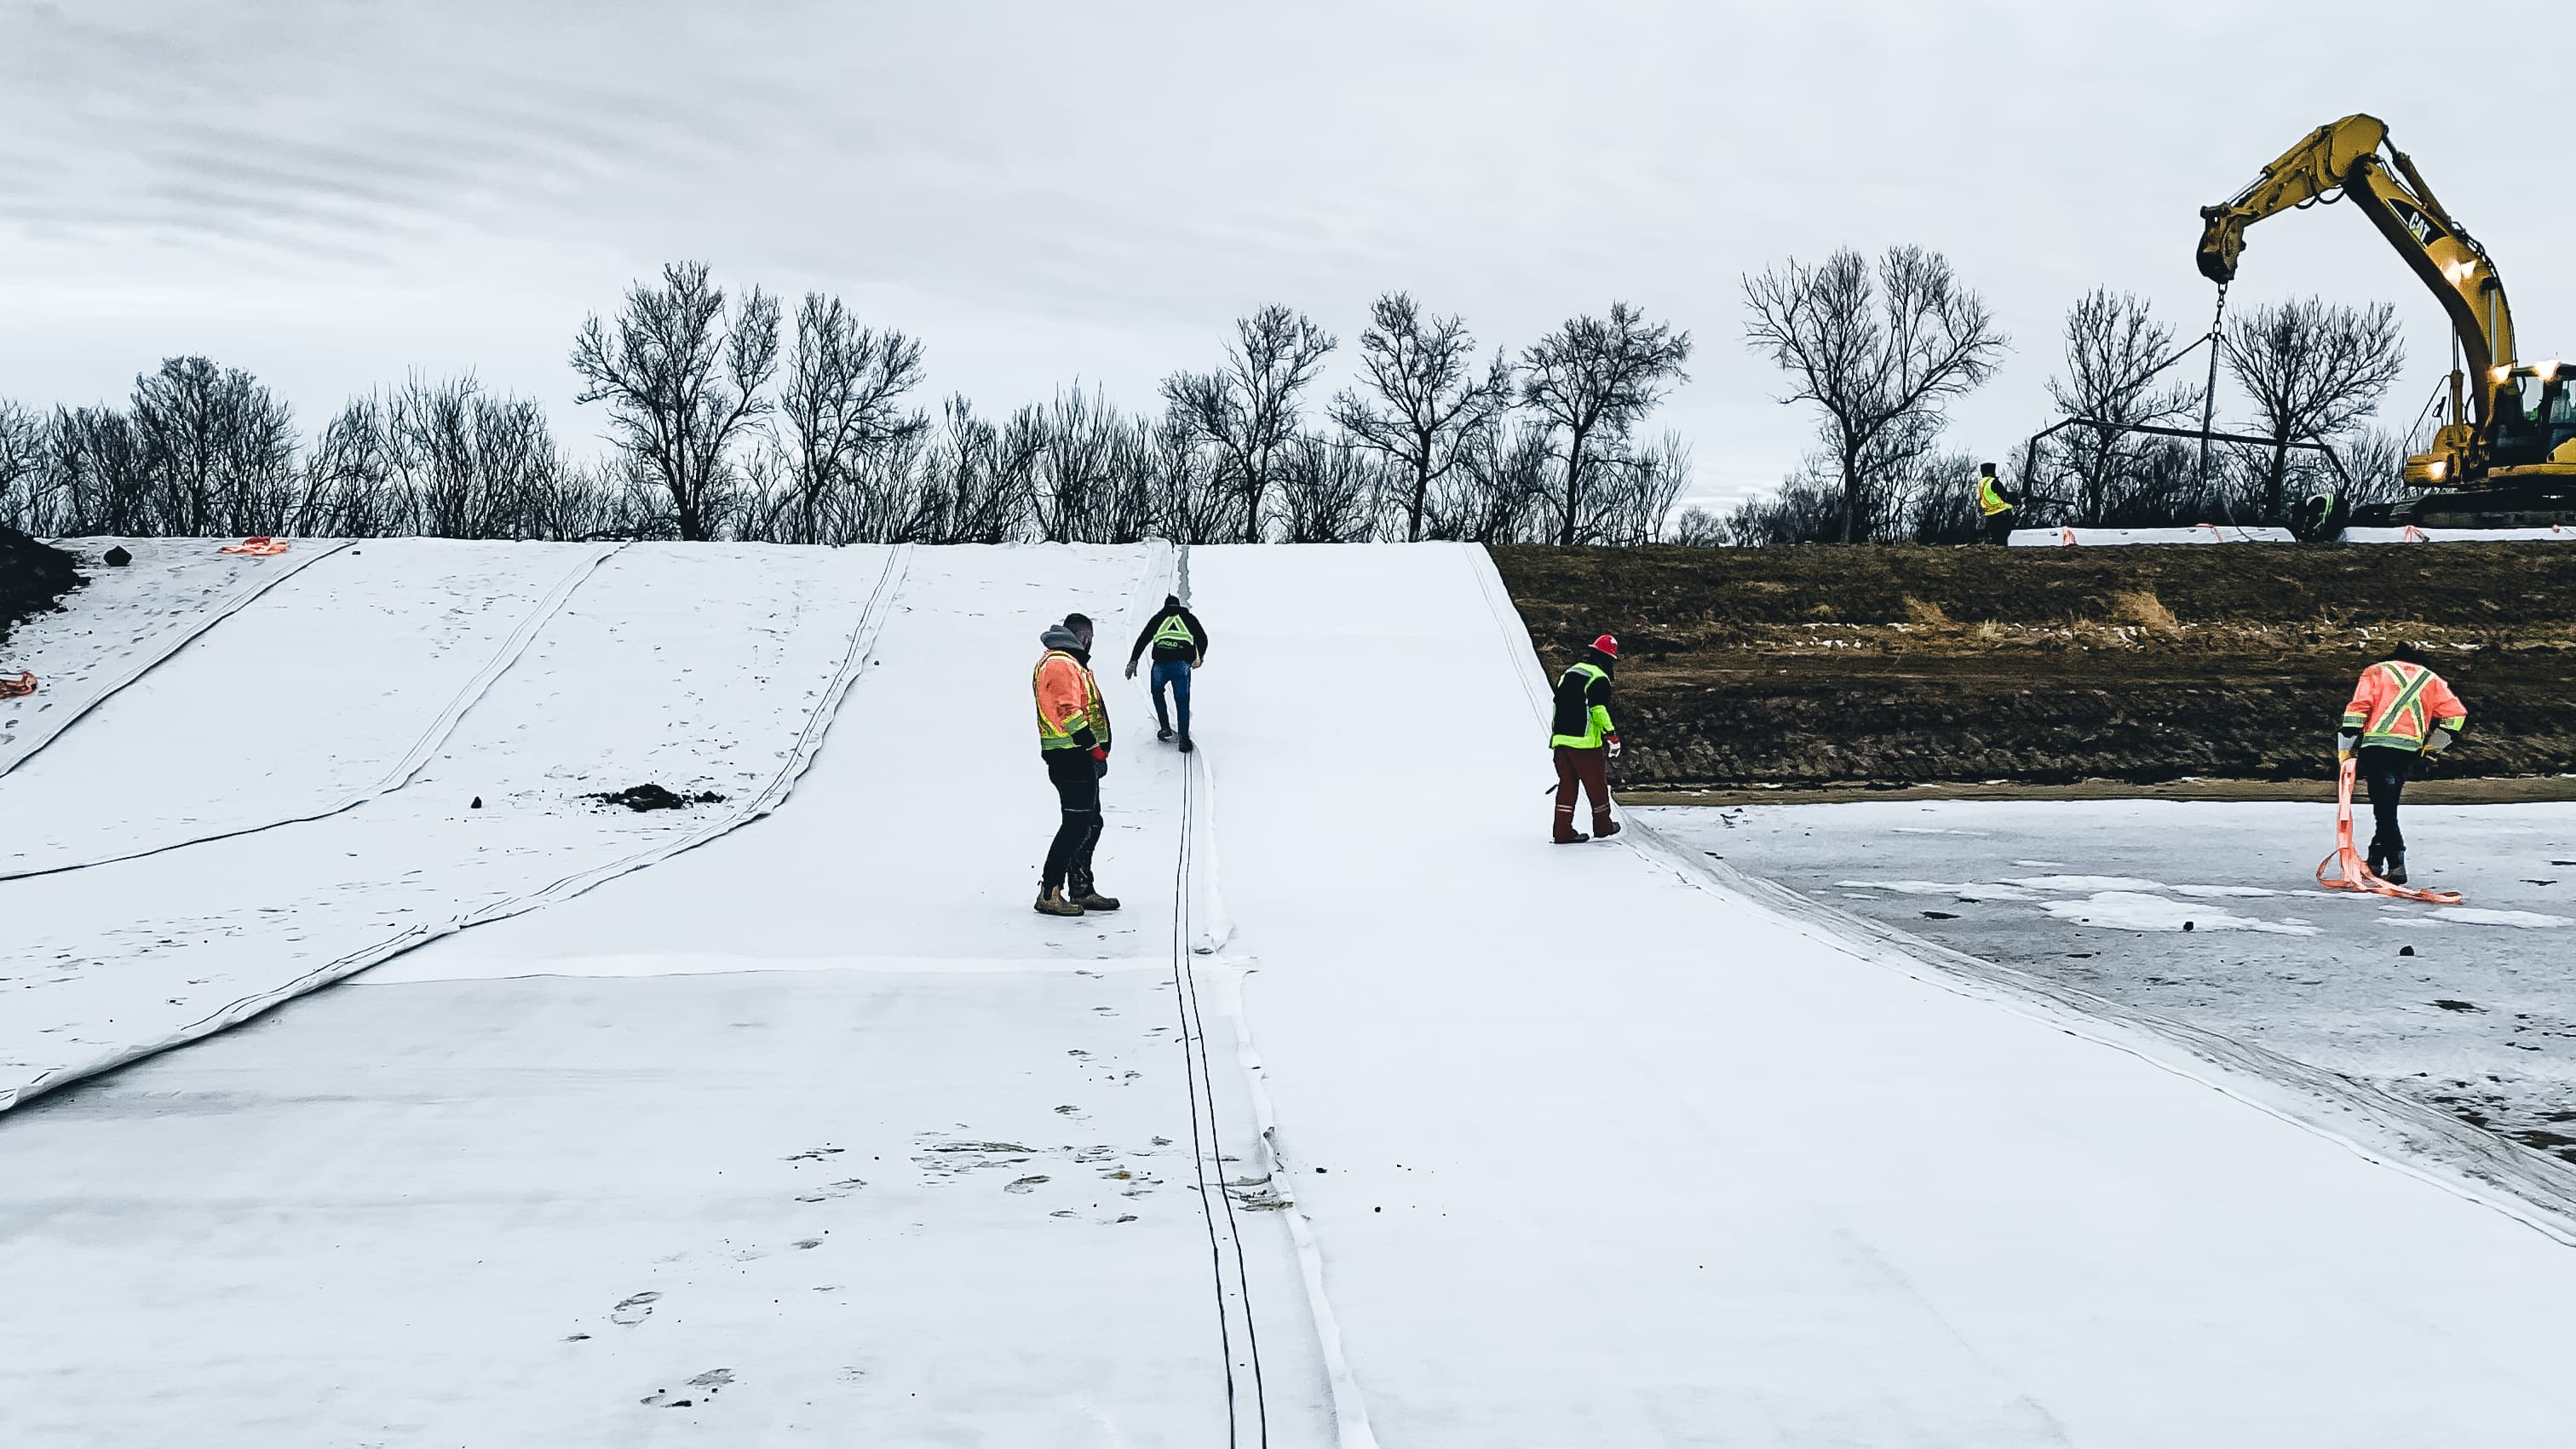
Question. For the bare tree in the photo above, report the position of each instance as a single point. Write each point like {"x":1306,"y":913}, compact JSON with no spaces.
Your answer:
{"x":1592,"y":380}
{"x":25,"y":498}
{"x":1192,"y":502}
{"x":1871,"y":350}
{"x":978,"y":481}
{"x":1499,"y":493}
{"x":218,"y":447}
{"x":1429,"y":396}
{"x":1079,"y":494}
{"x":1330,"y":490}
{"x":1247,"y":410}
{"x":1699,"y":528}
{"x":99,"y":484}
{"x":1640,"y":487}
{"x":841,"y":404}
{"x":2114,"y":350}
{"x":349,"y":490}
{"x":682,"y":378}
{"x":2314,"y":371}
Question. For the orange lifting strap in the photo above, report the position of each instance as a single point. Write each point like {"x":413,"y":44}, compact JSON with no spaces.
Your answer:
{"x":258,"y":545}
{"x":25,"y":683}
{"x":2351,"y":872}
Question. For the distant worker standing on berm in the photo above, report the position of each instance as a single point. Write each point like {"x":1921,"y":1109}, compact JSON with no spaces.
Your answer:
{"x":1999,"y":506}
{"x":1180,"y":646}
{"x":1073,"y":739}
{"x":2400,"y":709}
{"x":1585,"y":740}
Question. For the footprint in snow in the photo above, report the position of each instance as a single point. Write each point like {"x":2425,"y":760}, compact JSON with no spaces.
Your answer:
{"x":635,"y":1308}
{"x":704,"y":1386}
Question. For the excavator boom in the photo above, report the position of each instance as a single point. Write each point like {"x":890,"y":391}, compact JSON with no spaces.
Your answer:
{"x":2500,"y":441}
{"x":2350,"y":160}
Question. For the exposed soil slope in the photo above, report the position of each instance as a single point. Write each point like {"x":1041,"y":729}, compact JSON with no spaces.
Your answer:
{"x":1903,"y":664}
{"x":32,"y":576}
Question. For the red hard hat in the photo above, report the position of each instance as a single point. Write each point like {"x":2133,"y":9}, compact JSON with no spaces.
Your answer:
{"x":1607,"y":644}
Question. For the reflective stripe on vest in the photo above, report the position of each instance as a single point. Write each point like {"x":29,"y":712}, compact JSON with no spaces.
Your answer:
{"x":1050,"y":737}
{"x":2391,"y":721}
{"x":1174,"y":632}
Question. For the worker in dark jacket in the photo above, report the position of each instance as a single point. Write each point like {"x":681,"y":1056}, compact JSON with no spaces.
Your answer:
{"x":1180,"y":643}
{"x":1585,"y":740}
{"x":1999,"y":506}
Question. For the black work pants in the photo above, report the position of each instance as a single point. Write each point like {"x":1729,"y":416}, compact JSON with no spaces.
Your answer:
{"x":1076,"y":777}
{"x":1999,"y":527}
{"x":2383,"y":773}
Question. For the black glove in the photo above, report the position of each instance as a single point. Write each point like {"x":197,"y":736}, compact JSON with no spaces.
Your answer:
{"x":1099,"y":766}
{"x":1084,"y":739}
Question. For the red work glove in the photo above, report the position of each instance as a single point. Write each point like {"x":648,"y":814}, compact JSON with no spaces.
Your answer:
{"x":1100,"y":752}
{"x":1613,"y":741}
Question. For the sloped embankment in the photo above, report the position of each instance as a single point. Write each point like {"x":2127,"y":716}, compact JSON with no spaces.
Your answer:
{"x":1908,"y":664}
{"x":32,"y":576}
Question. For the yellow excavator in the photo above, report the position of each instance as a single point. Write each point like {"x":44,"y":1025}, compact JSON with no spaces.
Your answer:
{"x":2505,"y":453}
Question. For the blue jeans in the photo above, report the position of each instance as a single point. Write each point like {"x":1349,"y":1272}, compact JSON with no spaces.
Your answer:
{"x":1176,"y":673}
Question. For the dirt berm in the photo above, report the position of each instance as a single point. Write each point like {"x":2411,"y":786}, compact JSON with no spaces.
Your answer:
{"x":1903,"y":664}
{"x":32,"y":576}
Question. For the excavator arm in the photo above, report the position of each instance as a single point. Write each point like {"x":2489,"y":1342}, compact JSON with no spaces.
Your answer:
{"x":2352,"y":161}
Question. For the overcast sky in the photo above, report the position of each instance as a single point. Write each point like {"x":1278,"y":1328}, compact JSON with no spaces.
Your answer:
{"x":335,"y":194}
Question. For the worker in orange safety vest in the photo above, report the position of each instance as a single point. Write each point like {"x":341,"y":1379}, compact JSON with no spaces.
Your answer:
{"x":1073,"y":739}
{"x":2401,"y":709}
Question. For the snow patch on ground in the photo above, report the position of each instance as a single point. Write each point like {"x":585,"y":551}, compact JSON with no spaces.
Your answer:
{"x":2138,"y":911}
{"x":2480,"y":916}
{"x":2084,"y":883}
{"x":1966,"y":890}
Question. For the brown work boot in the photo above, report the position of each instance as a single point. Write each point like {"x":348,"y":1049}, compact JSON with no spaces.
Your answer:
{"x":1052,"y":902}
{"x":1565,"y":836}
{"x":1604,"y":828}
{"x":1087,"y":895}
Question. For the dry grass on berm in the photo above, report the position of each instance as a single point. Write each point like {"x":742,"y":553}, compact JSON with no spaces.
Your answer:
{"x":1901,"y":663}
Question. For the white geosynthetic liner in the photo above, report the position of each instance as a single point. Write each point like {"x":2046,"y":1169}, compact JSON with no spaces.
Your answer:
{"x":1614,"y":1156}
{"x":698,"y":669}
{"x":1592,"y":1150}
{"x":2063,"y":537}
{"x":342,"y":683}
{"x":126,"y":621}
{"x":823,"y":1106}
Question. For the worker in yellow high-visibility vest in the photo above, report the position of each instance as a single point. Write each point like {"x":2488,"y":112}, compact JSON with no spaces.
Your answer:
{"x":1999,"y":505}
{"x":1180,"y":643}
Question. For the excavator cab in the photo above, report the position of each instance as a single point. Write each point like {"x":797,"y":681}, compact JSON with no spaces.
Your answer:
{"x":2554,"y":420}
{"x":2528,"y":432}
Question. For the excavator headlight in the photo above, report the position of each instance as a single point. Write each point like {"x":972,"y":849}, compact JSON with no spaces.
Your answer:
{"x":2547,"y":371}
{"x":2441,"y":469}
{"x":2502,"y":373}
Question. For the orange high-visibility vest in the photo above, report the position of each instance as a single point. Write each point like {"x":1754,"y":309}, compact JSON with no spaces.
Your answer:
{"x":1068,"y":698}
{"x":2397,"y":704}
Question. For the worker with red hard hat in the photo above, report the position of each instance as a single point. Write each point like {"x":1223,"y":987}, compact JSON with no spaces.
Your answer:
{"x":1585,"y":740}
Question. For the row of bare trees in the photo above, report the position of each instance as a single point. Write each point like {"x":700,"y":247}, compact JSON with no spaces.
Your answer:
{"x":1881,"y":349}
{"x":1431,"y":442}
{"x":728,"y":418}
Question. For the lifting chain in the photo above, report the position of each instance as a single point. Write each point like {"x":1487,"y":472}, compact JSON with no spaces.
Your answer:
{"x":2209,"y":394}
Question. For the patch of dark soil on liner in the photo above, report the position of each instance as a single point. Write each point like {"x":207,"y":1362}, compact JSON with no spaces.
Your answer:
{"x":33,"y":577}
{"x":654,"y":797}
